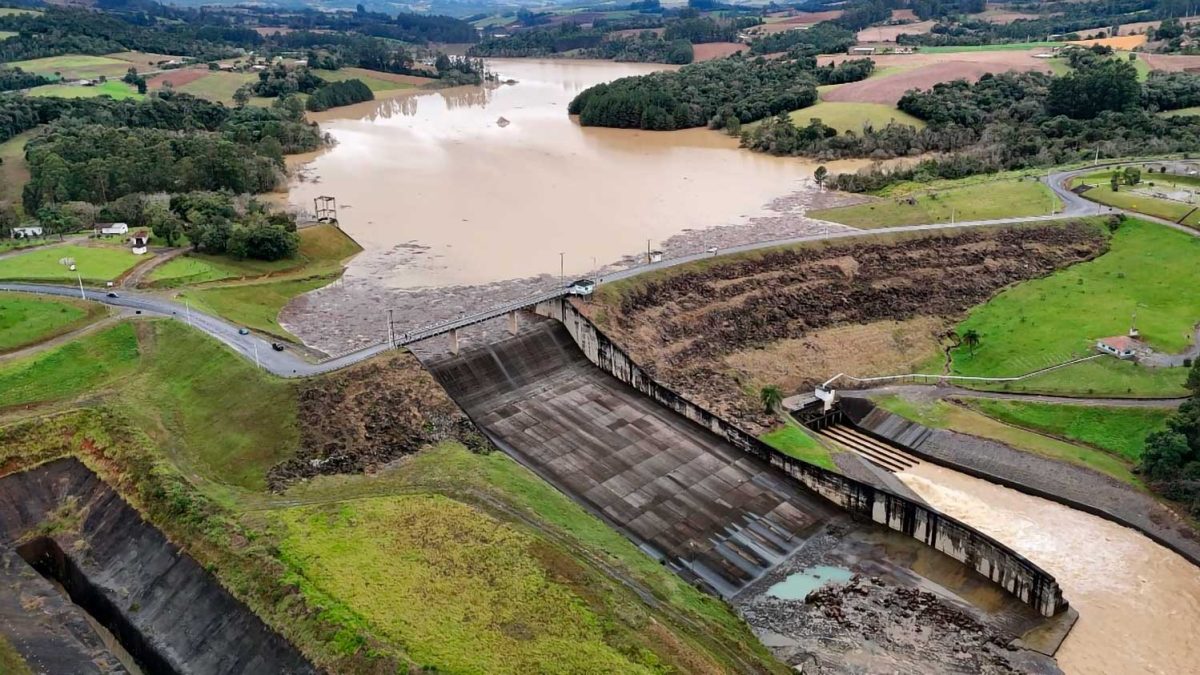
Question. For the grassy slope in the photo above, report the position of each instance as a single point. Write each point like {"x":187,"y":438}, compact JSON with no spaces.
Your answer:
{"x":980,"y":201}
{"x":14,"y":172}
{"x":941,"y":415}
{"x":374,"y":83}
{"x":1149,"y":270}
{"x":95,"y":264}
{"x":71,"y":369}
{"x":257,"y":304}
{"x":75,"y":66}
{"x":1121,"y":431}
{"x":115,"y":89}
{"x":792,"y":440}
{"x":218,"y":85}
{"x":570,"y":536}
{"x":852,"y":116}
{"x":26,"y":319}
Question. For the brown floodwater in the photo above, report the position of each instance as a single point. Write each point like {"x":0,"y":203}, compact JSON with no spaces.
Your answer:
{"x":1138,"y":603}
{"x":441,"y":192}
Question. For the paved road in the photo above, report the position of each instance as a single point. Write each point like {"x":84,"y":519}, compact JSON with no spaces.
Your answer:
{"x":252,"y":347}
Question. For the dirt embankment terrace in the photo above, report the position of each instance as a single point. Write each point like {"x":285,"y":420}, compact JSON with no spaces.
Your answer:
{"x":707,"y":330}
{"x":362,"y":418}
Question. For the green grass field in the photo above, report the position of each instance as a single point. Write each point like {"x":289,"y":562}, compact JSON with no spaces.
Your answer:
{"x":1182,"y":112}
{"x":375,"y":83}
{"x":71,"y":369}
{"x":942,"y":415}
{"x":5,"y":34}
{"x":978,"y":201}
{"x":1121,"y":431}
{"x":1148,"y":270}
{"x":9,"y":11}
{"x":113,"y":88}
{"x":794,"y":441}
{"x":94,"y":264}
{"x":75,"y":66}
{"x":29,"y":319}
{"x":852,"y":116}
{"x":1015,"y":46}
{"x":217,"y":85}
{"x":256,"y":304}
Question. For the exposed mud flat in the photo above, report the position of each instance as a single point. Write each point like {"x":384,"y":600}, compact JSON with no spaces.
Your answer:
{"x":359,"y":419}
{"x":681,"y":326}
{"x":166,"y":610}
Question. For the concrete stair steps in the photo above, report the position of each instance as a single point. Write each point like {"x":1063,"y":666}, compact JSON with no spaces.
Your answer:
{"x":881,"y":446}
{"x":879,"y":453}
{"x":880,"y":461}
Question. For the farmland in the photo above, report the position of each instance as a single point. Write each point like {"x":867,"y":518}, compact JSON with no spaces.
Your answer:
{"x":113,"y":88}
{"x":75,"y":66}
{"x":853,"y":116}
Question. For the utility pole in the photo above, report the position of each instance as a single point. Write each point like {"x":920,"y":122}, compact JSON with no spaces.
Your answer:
{"x":647,"y":251}
{"x":391,"y":331}
{"x":562,"y":277}
{"x":1097,"y":159}
{"x":82,"y":295}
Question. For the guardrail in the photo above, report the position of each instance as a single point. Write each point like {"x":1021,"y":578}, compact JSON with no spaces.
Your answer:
{"x":426,"y":332}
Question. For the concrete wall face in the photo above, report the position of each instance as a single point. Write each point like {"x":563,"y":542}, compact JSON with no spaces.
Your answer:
{"x":987,"y":556}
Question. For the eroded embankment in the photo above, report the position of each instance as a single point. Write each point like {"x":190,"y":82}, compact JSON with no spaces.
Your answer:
{"x":363,"y":417}
{"x":167,"y":611}
{"x":690,"y":327}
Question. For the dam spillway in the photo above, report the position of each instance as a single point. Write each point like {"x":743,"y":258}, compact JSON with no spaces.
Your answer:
{"x":706,"y":509}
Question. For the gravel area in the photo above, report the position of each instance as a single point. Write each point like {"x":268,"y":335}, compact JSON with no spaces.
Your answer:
{"x":352,"y":312}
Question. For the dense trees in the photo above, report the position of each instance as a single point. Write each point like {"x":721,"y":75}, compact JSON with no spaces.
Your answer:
{"x":15,"y":78}
{"x":337,"y":94}
{"x":824,"y":38}
{"x":846,"y":71}
{"x":1171,"y":91}
{"x":1171,"y":459}
{"x":280,"y":80}
{"x":1083,"y":94}
{"x":701,"y":29}
{"x":588,"y":43}
{"x":98,"y":150}
{"x":712,"y":93}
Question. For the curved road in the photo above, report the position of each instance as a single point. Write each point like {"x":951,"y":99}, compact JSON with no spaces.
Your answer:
{"x":252,"y":347}
{"x":287,"y":364}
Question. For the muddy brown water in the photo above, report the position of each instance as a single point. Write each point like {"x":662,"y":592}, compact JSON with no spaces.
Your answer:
{"x":1138,"y":603}
{"x":440,"y":192}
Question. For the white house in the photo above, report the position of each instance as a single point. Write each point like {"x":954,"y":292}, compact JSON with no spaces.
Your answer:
{"x":1120,"y":346}
{"x":29,"y":231}
{"x":139,"y":240}
{"x":114,"y":228}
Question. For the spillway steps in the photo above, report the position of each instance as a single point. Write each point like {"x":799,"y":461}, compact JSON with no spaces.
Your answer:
{"x":883,"y":455}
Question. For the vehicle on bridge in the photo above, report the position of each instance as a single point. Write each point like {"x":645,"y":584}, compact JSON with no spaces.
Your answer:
{"x":582,"y":287}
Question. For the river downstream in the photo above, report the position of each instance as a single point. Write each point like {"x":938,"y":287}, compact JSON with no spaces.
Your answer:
{"x":1138,"y":603}
{"x":473,"y":187}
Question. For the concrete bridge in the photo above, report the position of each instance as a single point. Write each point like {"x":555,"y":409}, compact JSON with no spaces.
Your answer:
{"x":452,"y":326}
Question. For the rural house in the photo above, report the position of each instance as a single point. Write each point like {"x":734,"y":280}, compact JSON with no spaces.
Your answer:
{"x":26,"y":232}
{"x":114,"y":228}
{"x":1120,"y":346}
{"x":139,"y":241}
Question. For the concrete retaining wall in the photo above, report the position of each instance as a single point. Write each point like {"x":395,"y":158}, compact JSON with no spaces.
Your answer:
{"x":987,"y":556}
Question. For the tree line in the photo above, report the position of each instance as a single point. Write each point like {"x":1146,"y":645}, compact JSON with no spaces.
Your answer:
{"x":721,"y":94}
{"x":1171,"y":459}
{"x":336,"y":94}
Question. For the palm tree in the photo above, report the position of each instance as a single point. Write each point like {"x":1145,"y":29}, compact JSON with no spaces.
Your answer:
{"x":971,"y":340}
{"x":771,"y":398}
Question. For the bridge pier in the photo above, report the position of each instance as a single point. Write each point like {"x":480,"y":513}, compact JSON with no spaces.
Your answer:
{"x":453,"y":341}
{"x":512,"y":322}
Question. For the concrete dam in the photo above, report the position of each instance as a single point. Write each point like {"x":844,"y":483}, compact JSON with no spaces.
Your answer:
{"x":708,"y":510}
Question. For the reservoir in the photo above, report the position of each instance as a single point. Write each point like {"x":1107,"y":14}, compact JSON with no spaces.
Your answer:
{"x":473,"y":185}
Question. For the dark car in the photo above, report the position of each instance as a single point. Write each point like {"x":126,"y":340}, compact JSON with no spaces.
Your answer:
{"x":113,"y":295}
{"x":276,"y":346}
{"x":243,"y":331}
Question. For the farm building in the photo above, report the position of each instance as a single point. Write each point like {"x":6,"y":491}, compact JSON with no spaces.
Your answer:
{"x":861,"y":51}
{"x":1120,"y":346}
{"x":114,"y":228}
{"x":25,"y":232}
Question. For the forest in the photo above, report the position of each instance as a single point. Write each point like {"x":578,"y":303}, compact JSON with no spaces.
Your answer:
{"x":336,"y":94}
{"x":593,"y":43}
{"x":1007,"y":121}
{"x":824,"y":38}
{"x":1171,"y":461}
{"x":99,"y":150}
{"x":721,"y":94}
